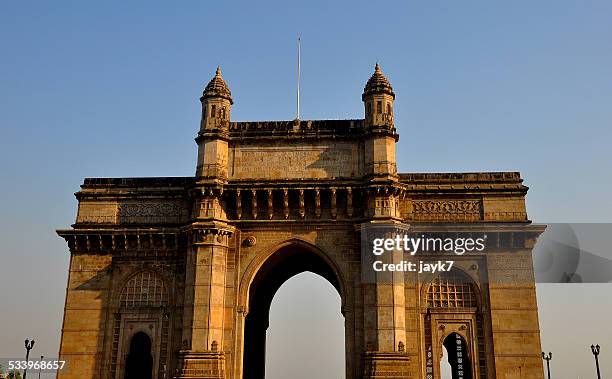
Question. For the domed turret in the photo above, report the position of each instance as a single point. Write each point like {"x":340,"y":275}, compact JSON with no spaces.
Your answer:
{"x":377,"y":83}
{"x":214,"y":129}
{"x":378,"y":97}
{"x":216,"y":103}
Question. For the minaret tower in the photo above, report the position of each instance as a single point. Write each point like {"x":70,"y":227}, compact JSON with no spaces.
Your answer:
{"x":380,"y":162}
{"x":385,"y":312}
{"x":204,"y":307}
{"x":214,"y":129}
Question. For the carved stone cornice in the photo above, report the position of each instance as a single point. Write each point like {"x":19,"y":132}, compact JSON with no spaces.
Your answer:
{"x":220,"y":132}
{"x":116,"y":241}
{"x":386,"y":130}
{"x":469,"y":182}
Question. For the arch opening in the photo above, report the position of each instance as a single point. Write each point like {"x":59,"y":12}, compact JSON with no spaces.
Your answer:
{"x":446,"y":370}
{"x":306,"y":334}
{"x":282,"y":265}
{"x":458,"y":357}
{"x":139,"y":362}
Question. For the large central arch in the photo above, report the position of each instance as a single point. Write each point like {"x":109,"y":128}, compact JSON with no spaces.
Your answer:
{"x":285,"y":261}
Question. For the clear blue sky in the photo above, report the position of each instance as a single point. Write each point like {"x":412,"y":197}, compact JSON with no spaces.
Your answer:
{"x":112,"y":88}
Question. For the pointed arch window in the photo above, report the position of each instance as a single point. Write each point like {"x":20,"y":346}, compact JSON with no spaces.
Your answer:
{"x":451,"y":290}
{"x":145,"y":289}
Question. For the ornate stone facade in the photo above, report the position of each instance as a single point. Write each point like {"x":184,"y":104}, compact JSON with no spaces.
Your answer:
{"x":191,"y":264}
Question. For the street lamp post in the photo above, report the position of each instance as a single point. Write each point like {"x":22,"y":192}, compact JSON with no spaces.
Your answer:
{"x":547,"y":358}
{"x":28,"y":346}
{"x":595,"y":350}
{"x":40,"y":367}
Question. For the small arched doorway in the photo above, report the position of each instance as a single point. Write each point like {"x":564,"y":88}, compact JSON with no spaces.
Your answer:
{"x":458,"y":356}
{"x":285,"y":263}
{"x":139,"y":362}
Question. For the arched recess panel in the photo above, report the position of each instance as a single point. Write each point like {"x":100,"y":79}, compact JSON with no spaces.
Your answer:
{"x":453,"y":309}
{"x":145,"y":289}
{"x":142,"y":309}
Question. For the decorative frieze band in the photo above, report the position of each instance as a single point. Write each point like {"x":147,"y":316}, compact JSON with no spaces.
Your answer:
{"x":143,"y":212}
{"x":150,"y":212}
{"x":443,"y":210}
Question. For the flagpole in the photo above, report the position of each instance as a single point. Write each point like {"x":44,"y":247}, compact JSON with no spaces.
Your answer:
{"x":298,"y":79}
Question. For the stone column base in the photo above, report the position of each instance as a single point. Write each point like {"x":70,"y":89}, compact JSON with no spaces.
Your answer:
{"x":201,"y":365}
{"x":386,"y":365}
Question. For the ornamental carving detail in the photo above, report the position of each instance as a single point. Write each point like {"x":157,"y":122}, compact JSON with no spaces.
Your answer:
{"x":250,"y":241}
{"x":150,"y":212}
{"x":436,"y":210}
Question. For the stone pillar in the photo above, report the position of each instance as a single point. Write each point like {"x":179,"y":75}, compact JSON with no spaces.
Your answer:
{"x":239,"y":347}
{"x":270,"y":203}
{"x":254,"y":203}
{"x":334,"y":210}
{"x":286,"y":203}
{"x":514,"y":309}
{"x":203,"y":334}
{"x":349,"y":202}
{"x":302,"y":204}
{"x":384,"y":309}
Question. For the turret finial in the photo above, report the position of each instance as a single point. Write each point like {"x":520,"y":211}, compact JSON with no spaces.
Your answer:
{"x":377,"y":84}
{"x":217,"y":88}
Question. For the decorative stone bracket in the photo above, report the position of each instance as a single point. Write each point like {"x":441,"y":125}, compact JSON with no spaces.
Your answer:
{"x":210,"y":235}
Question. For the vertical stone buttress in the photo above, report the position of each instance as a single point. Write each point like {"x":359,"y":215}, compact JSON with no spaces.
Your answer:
{"x":384,"y":299}
{"x":203,"y":355}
